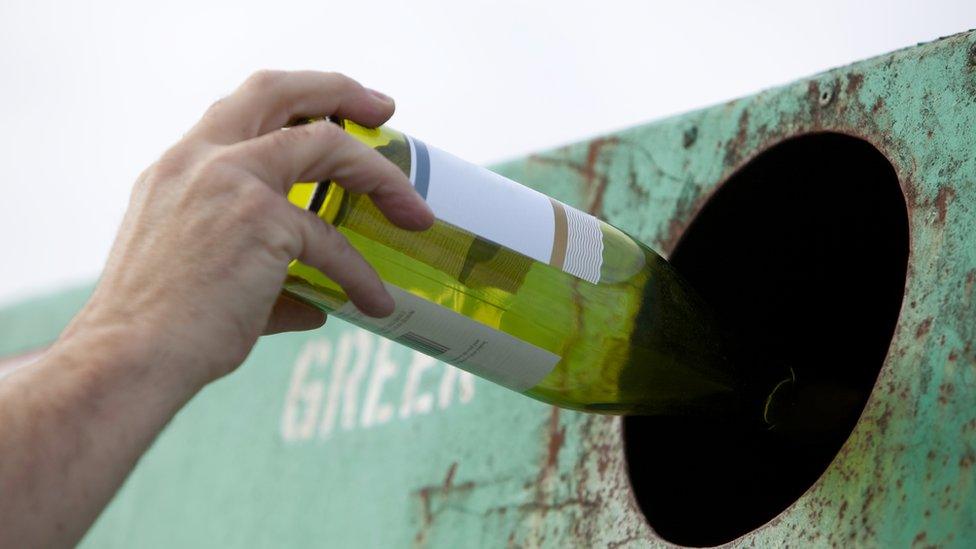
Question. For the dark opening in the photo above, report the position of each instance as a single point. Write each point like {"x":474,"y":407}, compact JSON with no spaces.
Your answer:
{"x":804,"y":253}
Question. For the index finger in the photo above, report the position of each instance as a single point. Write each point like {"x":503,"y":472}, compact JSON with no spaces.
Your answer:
{"x":324,"y":151}
{"x":268,"y":100}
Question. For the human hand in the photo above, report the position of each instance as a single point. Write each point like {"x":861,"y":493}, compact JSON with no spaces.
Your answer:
{"x":195,"y":273}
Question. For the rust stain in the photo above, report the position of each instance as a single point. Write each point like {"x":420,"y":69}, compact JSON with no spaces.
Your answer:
{"x":884,"y":420}
{"x":427,"y":513}
{"x":813,"y":90}
{"x":878,"y":105}
{"x":854,"y":81}
{"x":547,"y":507}
{"x":683,"y":216}
{"x":557,"y":436}
{"x":593,"y":180}
{"x":942,"y":199}
{"x":602,"y":463}
{"x":967,"y":460}
{"x":625,"y":541}
{"x":735,"y":145}
{"x":426,"y":496}
{"x":945,"y":392}
{"x":590,"y":175}
{"x":923,"y":328}
{"x":449,"y":478}
{"x":640,"y":193}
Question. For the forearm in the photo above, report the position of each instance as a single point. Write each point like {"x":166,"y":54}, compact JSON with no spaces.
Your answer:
{"x":72,"y":426}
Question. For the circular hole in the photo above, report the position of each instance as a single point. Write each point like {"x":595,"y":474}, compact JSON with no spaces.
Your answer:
{"x":804,"y":252}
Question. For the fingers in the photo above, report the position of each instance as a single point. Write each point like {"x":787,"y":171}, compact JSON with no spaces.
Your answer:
{"x":268,"y":100}
{"x":326,"y":249}
{"x":323,"y":151}
{"x":290,"y":315}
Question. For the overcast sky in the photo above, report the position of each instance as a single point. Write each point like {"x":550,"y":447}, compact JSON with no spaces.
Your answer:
{"x":92,"y":92}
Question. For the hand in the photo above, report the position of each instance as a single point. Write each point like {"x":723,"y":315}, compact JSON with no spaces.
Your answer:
{"x":195,"y":273}
{"x":192,"y":281}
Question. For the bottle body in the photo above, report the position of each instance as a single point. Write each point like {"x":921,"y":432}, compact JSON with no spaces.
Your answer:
{"x":528,"y":292}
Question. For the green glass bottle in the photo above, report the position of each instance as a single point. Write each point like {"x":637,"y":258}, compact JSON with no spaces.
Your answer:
{"x":525,"y":291}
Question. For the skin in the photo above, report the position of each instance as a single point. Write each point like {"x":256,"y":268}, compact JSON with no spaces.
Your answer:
{"x":192,"y":281}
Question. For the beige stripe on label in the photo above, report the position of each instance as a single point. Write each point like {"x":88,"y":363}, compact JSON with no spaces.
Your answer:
{"x":558,"y":258}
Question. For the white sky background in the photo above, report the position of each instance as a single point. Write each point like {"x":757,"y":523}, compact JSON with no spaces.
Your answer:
{"x":92,"y":92}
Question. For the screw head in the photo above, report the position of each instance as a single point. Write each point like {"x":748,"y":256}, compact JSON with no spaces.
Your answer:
{"x":826,"y":96}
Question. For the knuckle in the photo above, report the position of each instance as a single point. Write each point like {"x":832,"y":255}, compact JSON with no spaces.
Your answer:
{"x":288,"y":137}
{"x":223,"y":157}
{"x":323,"y":131}
{"x":339,"y":246}
{"x":306,"y":221}
{"x":214,"y":174}
{"x":250,"y":210}
{"x":291,"y":236}
{"x":278,"y":240}
{"x":342,"y":80}
{"x":215,"y":108}
{"x":264,"y":79}
{"x":216,"y":166}
{"x":321,"y":234}
{"x":254,"y":202}
{"x":172,"y":163}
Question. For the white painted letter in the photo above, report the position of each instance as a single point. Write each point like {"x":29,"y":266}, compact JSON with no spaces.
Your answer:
{"x":383,"y":369}
{"x":302,"y":394}
{"x":346,"y":384}
{"x":446,"y":393}
{"x":412,"y":402}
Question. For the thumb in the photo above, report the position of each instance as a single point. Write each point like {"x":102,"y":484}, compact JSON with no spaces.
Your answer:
{"x":290,"y":315}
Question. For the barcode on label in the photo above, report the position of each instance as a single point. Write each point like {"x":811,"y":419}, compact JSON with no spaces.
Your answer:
{"x":422,"y":344}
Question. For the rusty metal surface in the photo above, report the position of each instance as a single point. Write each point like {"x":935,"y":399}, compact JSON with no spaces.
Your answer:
{"x":906,"y":475}
{"x":269,"y":458}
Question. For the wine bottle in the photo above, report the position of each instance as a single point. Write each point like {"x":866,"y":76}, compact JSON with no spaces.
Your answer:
{"x":523,"y":290}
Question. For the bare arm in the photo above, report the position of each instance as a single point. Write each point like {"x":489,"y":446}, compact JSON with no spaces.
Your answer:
{"x":192,"y":281}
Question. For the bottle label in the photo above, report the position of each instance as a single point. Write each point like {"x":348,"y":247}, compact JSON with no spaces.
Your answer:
{"x":457,"y":339}
{"x":509,"y":214}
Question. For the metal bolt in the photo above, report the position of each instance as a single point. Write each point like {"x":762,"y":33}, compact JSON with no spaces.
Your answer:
{"x":826,"y":97}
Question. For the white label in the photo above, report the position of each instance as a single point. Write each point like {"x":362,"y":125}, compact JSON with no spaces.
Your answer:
{"x":458,"y":340}
{"x":507,"y":213}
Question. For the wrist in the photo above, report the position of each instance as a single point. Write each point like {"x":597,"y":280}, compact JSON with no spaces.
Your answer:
{"x":129,"y":351}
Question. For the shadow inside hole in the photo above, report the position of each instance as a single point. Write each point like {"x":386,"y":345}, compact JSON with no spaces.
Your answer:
{"x":803,"y":252}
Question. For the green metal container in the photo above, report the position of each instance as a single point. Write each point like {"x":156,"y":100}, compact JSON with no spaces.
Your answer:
{"x":835,"y":216}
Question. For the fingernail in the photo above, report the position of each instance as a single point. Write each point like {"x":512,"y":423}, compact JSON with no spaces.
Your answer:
{"x":381,"y":96}
{"x":427,"y":218}
{"x":385,"y":306}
